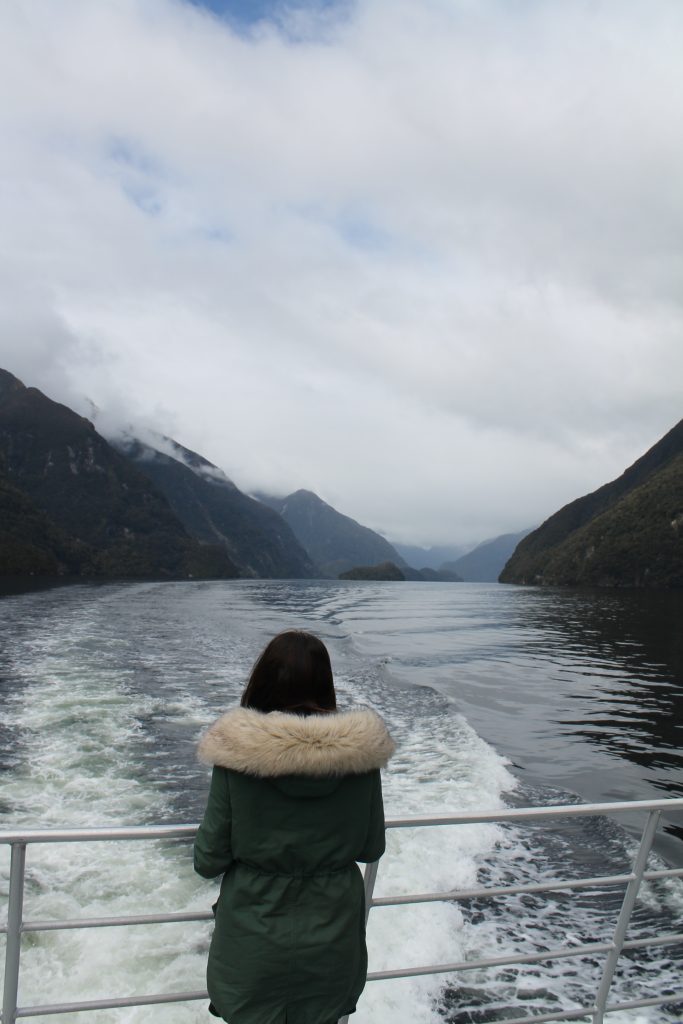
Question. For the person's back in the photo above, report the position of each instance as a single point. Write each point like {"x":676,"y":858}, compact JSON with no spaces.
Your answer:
{"x":295,"y":801}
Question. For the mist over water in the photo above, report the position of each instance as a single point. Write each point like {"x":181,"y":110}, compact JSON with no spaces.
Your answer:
{"x":495,"y":695}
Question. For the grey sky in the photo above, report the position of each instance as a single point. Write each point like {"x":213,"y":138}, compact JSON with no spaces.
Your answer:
{"x":421,"y":257}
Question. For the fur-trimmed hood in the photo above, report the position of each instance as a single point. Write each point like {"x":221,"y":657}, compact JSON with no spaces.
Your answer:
{"x":278,"y":743}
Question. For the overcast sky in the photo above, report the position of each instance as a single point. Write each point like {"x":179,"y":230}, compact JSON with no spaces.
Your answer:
{"x":423,"y":257}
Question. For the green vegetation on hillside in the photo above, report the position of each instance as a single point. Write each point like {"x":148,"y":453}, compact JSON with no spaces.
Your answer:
{"x":627,"y":534}
{"x":30,"y":543}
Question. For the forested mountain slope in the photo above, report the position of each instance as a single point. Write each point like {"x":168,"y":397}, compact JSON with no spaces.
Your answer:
{"x":68,"y":494}
{"x":627,"y":533}
{"x":212,"y":509}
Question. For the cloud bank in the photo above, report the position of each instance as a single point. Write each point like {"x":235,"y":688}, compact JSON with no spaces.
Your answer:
{"x":423,"y":258}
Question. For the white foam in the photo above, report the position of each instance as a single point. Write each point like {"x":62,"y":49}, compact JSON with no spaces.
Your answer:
{"x":441,"y":766}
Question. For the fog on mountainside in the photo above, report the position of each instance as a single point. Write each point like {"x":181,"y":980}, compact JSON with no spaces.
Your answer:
{"x":213,"y":510}
{"x":73,"y":505}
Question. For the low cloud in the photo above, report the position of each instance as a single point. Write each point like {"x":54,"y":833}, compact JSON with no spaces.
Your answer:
{"x":422,"y":258}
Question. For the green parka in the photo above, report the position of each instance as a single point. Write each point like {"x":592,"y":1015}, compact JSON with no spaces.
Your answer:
{"x":294,"y":803}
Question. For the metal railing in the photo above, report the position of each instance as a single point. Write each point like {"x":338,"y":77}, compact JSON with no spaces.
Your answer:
{"x":631,"y":880}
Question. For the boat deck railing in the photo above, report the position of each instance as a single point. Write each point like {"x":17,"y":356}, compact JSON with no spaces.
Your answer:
{"x":610,"y":950}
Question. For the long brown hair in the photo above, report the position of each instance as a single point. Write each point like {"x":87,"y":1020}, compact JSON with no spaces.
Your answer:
{"x":293,"y":673}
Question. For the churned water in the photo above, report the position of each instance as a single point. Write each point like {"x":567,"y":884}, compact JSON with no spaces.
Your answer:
{"x":496,"y":696}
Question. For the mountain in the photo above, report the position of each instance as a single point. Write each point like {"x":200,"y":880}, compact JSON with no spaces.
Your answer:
{"x":86,"y":510}
{"x":213,"y":510}
{"x":432,"y":558}
{"x":485,"y":563}
{"x":30,"y":543}
{"x":335,"y":542}
{"x":627,"y":533}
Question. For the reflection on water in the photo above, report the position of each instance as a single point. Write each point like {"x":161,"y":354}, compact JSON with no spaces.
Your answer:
{"x":582,"y":689}
{"x":629,"y":645}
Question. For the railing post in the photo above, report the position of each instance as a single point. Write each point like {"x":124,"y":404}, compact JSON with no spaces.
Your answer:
{"x":369,"y":877}
{"x":638,"y":870}
{"x":369,"y":884}
{"x":14,"y":919}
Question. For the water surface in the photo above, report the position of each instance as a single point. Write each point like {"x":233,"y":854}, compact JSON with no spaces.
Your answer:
{"x":496,"y":696}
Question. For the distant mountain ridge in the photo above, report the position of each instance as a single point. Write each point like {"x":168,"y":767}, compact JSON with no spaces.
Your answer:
{"x":435,"y":557}
{"x":334,"y":541}
{"x":73,"y":502}
{"x":627,"y":533}
{"x":485,"y":563}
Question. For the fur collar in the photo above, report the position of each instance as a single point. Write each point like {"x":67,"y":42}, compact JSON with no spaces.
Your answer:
{"x":274,"y":744}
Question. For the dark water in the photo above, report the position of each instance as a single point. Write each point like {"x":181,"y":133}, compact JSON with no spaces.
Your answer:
{"x":582,"y":690}
{"x":496,"y":695}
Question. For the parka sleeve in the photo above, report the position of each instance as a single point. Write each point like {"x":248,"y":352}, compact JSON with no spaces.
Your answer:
{"x":374,"y":840}
{"x":212,"y":845}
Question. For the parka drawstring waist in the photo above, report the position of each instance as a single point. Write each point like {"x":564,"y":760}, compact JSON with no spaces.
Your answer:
{"x":257,"y":869}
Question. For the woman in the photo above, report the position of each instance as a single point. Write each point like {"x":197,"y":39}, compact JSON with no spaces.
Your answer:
{"x":295,"y":801}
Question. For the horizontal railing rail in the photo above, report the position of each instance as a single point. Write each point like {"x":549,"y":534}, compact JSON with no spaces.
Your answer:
{"x":16,"y":926}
